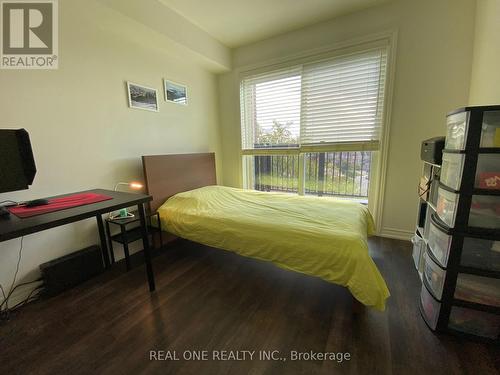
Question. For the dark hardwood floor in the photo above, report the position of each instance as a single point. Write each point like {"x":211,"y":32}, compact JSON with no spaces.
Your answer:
{"x":212,"y":300}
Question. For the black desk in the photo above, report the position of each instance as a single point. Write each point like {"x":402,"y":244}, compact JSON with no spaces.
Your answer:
{"x":14,"y":227}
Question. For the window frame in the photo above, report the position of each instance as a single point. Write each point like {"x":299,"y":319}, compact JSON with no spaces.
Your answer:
{"x":378,"y":166}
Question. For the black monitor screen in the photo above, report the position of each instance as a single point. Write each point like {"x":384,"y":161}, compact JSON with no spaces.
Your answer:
{"x":17,"y":165}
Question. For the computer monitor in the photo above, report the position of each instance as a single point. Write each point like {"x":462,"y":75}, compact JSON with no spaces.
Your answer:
{"x":17,"y":164}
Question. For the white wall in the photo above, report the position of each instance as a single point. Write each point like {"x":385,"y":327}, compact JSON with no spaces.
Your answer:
{"x":83,"y":134}
{"x":485,"y":78}
{"x":433,"y":64}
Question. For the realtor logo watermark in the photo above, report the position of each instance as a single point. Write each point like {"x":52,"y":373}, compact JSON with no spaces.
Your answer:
{"x":29,"y":34}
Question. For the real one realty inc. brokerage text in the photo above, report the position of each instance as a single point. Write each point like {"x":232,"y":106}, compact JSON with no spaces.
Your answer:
{"x":246,"y":355}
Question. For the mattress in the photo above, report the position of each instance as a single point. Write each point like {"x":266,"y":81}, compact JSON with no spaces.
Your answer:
{"x":322,"y":237}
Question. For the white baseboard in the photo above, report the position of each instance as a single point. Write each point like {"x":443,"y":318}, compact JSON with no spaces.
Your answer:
{"x":399,"y":234}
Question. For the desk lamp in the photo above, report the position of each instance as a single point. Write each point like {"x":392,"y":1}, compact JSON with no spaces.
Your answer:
{"x":123,"y":213}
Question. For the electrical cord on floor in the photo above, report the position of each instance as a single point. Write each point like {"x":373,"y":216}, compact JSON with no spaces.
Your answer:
{"x":17,"y":286}
{"x":28,"y":299}
{"x":4,"y":306}
{"x":3,"y":295}
{"x":5,"y":314}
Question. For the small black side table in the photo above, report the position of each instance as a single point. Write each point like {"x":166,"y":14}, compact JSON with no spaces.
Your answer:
{"x":127,"y":236}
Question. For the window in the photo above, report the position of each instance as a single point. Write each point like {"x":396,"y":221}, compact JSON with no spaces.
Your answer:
{"x":314,"y":128}
{"x":271,"y":109}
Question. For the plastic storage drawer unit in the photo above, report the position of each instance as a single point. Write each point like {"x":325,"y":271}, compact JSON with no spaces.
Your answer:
{"x":434,"y":275}
{"x":474,"y":322}
{"x":430,"y":307}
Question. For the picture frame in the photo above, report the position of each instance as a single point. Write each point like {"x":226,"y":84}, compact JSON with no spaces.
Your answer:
{"x":142,"y":97}
{"x":175,"y":92}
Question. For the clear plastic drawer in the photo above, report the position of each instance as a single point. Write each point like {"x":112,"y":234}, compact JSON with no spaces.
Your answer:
{"x":451,"y":170}
{"x":490,"y":132}
{"x":478,"y":289}
{"x":476,"y":252}
{"x":478,"y":323}
{"x":427,"y":171}
{"x":488,"y":172}
{"x":427,"y":223}
{"x":456,"y":131}
{"x":434,"y":275}
{"x":421,"y":264}
{"x":480,"y":253}
{"x":485,"y":212}
{"x":447,"y":206}
{"x":430,"y":307}
{"x":433,"y":192}
{"x":439,"y":244}
{"x":418,"y":244}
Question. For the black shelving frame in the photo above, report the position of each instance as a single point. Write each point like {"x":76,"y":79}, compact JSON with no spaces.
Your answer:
{"x":461,"y":229}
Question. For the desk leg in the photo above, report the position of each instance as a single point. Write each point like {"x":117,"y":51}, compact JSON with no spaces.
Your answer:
{"x":102,"y":237}
{"x":110,"y":243}
{"x":145,"y":242}
{"x":125,"y":247}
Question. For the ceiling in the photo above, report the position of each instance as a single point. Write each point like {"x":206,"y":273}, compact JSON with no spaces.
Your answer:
{"x":238,"y":22}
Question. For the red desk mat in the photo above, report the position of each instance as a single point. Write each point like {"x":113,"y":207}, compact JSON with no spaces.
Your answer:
{"x":58,"y":204}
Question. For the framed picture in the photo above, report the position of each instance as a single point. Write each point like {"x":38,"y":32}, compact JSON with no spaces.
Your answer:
{"x":142,"y":97}
{"x":175,"y":92}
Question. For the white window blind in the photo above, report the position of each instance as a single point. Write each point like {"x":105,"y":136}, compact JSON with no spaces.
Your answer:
{"x":342,"y":99}
{"x":270,"y":109}
{"x":337,"y":101}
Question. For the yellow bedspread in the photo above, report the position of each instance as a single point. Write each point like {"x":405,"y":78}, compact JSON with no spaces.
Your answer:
{"x":322,"y":237}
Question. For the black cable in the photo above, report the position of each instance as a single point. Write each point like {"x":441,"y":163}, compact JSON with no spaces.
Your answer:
{"x":3,"y":294}
{"x":429,"y":182}
{"x":422,"y":194}
{"x":5,"y":314}
{"x":25,"y":302}
{"x":6,"y":300}
{"x":18,"y":285}
{"x":28,"y":282}
{"x":27,"y":299}
{"x":17,"y":266}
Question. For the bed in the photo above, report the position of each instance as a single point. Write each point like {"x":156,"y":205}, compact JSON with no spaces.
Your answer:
{"x":322,"y":237}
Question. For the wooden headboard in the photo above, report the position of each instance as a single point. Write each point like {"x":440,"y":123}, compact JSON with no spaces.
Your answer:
{"x":167,"y":175}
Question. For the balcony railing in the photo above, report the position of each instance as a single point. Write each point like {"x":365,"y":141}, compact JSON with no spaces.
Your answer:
{"x":276,"y":173}
{"x":341,"y":174}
